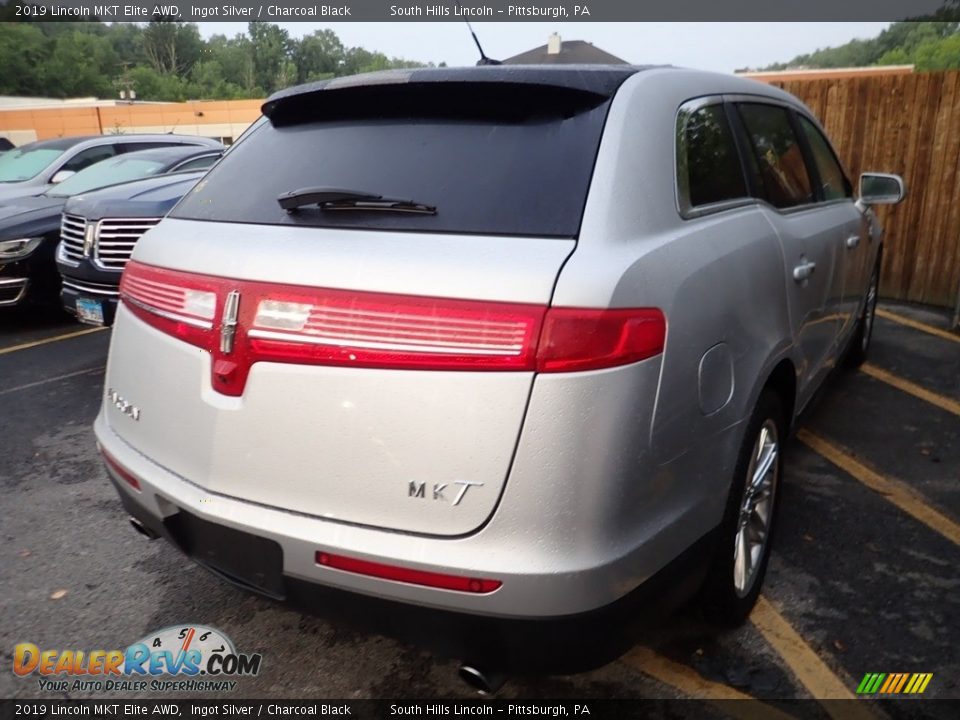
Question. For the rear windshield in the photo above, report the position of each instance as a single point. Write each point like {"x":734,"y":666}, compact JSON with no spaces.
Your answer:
{"x":498,"y":172}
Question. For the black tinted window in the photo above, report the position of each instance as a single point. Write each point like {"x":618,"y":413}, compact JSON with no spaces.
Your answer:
{"x":89,"y":157}
{"x":833,"y":182}
{"x":201,"y":163}
{"x":526,"y":173}
{"x":779,"y":155}
{"x":708,"y":166}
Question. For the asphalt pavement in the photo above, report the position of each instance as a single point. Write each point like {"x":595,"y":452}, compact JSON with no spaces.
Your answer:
{"x":865,"y":575}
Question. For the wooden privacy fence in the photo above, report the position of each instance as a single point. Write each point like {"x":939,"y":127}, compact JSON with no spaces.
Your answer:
{"x":909,"y":125}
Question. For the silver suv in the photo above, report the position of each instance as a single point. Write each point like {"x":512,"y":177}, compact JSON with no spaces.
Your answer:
{"x":491,"y":345}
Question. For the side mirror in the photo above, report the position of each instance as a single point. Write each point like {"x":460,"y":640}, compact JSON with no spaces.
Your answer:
{"x":62,"y":175}
{"x":881,"y":189}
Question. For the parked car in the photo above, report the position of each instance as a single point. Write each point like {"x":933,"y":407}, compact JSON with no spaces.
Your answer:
{"x":30,"y":226}
{"x":33,"y":168}
{"x":492,"y":357}
{"x":113,"y":219}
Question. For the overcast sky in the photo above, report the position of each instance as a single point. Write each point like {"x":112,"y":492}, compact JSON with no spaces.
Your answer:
{"x":710,"y":46}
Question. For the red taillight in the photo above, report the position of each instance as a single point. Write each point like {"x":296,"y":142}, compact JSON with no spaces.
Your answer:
{"x":579,"y":339}
{"x":179,"y":304}
{"x":119,"y":470}
{"x":407,"y":575}
{"x":337,"y":327}
{"x":317,"y":326}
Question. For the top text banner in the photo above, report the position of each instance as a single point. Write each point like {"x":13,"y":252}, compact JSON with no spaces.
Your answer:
{"x":493,"y":11}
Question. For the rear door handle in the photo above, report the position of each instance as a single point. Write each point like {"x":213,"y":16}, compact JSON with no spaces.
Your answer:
{"x":853,"y":241}
{"x":804,"y":270}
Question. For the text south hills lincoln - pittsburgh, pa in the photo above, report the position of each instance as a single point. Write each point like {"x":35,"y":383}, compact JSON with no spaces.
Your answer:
{"x":468,"y":11}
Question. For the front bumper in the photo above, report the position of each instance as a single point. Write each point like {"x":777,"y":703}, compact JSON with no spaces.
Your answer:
{"x":13,"y":290}
{"x":73,"y":290}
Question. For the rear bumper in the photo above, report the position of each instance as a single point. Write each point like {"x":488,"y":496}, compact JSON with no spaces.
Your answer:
{"x":559,"y":644}
{"x":540,"y":578}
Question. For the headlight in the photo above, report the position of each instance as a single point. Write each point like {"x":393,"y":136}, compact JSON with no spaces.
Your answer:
{"x":19,"y":248}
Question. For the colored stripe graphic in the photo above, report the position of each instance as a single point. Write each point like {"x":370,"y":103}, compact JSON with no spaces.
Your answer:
{"x":894,"y":683}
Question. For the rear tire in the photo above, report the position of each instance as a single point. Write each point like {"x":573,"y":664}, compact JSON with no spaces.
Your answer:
{"x":860,"y":345}
{"x":736,"y":574}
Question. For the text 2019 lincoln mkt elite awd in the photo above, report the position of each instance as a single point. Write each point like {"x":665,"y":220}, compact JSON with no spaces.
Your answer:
{"x":492,"y":357}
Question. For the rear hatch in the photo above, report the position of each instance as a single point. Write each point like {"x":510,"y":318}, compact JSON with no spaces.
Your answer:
{"x":359,"y":359}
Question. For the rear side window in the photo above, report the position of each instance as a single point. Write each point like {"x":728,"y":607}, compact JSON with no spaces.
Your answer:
{"x":833,"y":182}
{"x":779,"y":155}
{"x":492,"y":160}
{"x":201,"y":163}
{"x":91,"y":156}
{"x":708,"y":168}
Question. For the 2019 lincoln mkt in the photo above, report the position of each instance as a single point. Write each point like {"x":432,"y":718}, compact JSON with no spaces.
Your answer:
{"x":493,"y":355}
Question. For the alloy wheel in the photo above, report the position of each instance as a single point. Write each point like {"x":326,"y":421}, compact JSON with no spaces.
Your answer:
{"x":868,"y":312}
{"x":756,"y":508}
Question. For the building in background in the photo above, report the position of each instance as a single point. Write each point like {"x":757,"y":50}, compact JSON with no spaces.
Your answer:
{"x":571,"y":52}
{"x":24,"y":120}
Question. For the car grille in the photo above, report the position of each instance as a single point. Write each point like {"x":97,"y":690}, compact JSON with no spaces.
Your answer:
{"x":71,"y":235}
{"x":91,"y":288}
{"x":116,"y":239}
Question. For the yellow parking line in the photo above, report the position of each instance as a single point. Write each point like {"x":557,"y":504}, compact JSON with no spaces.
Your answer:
{"x":56,"y":338}
{"x":689,"y":682}
{"x":819,"y":680}
{"x":897,"y":492}
{"x":941,"y":401}
{"x":917,"y":325}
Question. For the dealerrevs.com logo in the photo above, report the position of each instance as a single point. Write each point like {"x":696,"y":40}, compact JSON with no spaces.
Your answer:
{"x":181,"y":658}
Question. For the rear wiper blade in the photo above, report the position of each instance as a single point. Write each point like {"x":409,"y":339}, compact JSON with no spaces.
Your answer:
{"x":340,"y":199}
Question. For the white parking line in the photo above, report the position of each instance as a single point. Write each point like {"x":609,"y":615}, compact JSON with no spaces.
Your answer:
{"x":88,"y":371}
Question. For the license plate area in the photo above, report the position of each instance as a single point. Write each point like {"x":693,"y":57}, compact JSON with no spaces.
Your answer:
{"x":89,"y":311}
{"x":253,"y":562}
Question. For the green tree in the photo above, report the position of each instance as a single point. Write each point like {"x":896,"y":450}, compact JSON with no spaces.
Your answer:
{"x":80,"y":64}
{"x":270,"y":45}
{"x":22,"y":55}
{"x":172,"y":47}
{"x":900,"y":43}
{"x":235,"y":56}
{"x":318,"y":56}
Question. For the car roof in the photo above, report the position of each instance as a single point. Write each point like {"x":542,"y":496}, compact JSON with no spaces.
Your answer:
{"x":69,"y":142}
{"x":57,"y":143}
{"x":452,"y":84}
{"x":601,"y":80}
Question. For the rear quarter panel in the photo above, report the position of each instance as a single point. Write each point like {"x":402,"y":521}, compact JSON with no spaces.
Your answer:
{"x":718,"y":279}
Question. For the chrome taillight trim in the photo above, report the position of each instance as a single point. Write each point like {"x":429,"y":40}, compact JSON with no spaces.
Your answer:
{"x":193,"y":322}
{"x":449,"y":348}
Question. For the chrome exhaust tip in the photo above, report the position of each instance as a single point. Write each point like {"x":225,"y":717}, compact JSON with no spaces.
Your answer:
{"x":485,"y":683}
{"x":142,"y":529}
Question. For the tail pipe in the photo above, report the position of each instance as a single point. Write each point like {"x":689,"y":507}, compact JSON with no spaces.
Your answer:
{"x":142,"y":529}
{"x":484,"y":682}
